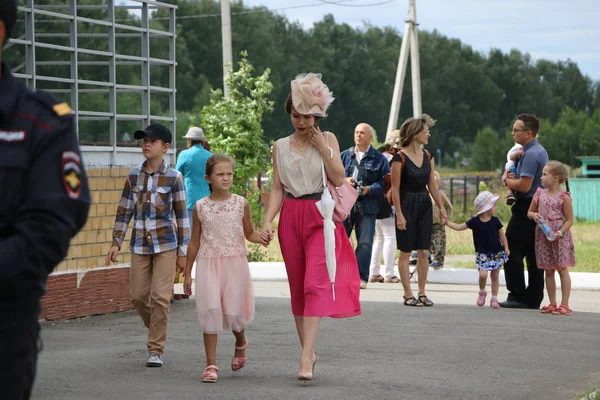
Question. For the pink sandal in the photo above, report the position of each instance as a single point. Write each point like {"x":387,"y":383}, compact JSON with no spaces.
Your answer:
{"x":562,"y":310}
{"x":209,"y":376}
{"x":238,"y":363}
{"x":549,"y":309}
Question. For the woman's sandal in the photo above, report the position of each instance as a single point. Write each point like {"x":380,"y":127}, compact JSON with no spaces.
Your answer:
{"x":238,"y":363}
{"x":423,"y":299}
{"x":549,"y":309}
{"x":209,"y":376}
{"x":411,"y":301}
{"x":562,"y":310}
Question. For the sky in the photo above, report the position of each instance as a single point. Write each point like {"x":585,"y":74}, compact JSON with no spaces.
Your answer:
{"x":546,"y":29}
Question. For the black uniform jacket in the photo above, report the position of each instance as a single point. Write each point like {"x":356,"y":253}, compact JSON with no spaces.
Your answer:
{"x":44,"y":195}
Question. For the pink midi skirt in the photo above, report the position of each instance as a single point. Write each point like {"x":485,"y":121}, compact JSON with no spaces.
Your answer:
{"x":302,"y":242}
{"x":224,"y":294}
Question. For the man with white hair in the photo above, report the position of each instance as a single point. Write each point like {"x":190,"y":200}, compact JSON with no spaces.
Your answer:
{"x":365,"y":168}
{"x":192,"y":164}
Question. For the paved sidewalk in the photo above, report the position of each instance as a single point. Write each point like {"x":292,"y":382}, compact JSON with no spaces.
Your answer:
{"x":454,"y":350}
{"x":450,"y":274}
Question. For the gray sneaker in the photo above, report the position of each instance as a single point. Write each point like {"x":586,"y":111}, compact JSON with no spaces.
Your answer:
{"x":155,"y":360}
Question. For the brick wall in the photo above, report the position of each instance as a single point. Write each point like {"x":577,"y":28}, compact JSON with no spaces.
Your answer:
{"x":82,"y":285}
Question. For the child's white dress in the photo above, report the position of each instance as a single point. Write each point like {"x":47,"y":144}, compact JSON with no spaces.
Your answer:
{"x":224,"y":291}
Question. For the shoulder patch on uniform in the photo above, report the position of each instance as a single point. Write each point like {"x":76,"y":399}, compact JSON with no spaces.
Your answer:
{"x":62,"y":109}
{"x":50,"y":102}
{"x":71,"y":172}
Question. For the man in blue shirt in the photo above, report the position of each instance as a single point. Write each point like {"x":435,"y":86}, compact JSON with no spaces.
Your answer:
{"x":365,"y":168}
{"x":521,"y":230}
{"x":192,"y":164}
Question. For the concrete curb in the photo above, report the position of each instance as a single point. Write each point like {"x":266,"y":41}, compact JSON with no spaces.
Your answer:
{"x":275,"y":271}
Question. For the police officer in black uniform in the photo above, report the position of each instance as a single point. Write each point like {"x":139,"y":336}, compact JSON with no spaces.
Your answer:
{"x":44,"y":202}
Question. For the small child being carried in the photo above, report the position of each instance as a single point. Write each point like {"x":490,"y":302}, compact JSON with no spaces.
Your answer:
{"x":224,"y":291}
{"x":491,"y":246}
{"x":511,"y":167}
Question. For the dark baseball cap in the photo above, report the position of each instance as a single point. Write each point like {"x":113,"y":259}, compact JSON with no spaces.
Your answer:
{"x":8,"y":15}
{"x":155,"y":131}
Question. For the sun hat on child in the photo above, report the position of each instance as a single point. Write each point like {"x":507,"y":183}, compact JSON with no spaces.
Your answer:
{"x":485,"y":201}
{"x":310,"y":96}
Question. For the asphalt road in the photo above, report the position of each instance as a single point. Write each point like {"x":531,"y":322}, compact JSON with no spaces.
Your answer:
{"x":454,"y":350}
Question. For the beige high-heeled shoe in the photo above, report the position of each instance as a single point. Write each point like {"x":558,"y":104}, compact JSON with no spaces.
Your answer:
{"x":308,"y":376}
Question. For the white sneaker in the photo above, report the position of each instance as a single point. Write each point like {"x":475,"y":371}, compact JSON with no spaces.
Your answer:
{"x":155,"y":360}
{"x":363,"y":284}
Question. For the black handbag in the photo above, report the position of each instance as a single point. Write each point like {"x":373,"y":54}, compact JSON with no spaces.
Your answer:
{"x":385,"y":209}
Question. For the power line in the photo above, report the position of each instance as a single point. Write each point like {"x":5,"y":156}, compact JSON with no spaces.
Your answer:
{"x":355,"y":5}
{"x":255,"y":10}
{"x":259,"y":10}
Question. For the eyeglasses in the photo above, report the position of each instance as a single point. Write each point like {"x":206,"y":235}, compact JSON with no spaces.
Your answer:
{"x":520,"y":130}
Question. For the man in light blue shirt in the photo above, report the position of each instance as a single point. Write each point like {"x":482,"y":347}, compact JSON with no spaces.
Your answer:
{"x":520,"y":231}
{"x":192,"y":164}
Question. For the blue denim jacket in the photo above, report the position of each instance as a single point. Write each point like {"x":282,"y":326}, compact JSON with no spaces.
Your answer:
{"x":372,"y":168}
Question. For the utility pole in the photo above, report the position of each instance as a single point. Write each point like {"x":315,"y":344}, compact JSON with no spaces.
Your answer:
{"x":227,"y":47}
{"x":410,"y":42}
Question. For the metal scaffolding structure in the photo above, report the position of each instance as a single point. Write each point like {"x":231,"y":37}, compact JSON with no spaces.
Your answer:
{"x":114,"y":150}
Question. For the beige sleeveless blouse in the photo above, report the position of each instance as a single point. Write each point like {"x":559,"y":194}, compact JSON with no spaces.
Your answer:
{"x":300,"y":174}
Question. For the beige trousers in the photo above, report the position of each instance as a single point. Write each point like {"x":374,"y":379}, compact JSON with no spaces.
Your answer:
{"x":151,"y":285}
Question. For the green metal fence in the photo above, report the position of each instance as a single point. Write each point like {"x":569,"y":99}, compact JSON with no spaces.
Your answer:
{"x":586,"y":198}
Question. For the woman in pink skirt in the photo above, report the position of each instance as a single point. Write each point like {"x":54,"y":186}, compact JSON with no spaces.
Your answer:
{"x":297,"y":186}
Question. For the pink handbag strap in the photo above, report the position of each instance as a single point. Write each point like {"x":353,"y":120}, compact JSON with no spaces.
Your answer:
{"x":326,"y":133}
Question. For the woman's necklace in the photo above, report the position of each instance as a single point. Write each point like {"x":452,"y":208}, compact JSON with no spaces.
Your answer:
{"x":300,"y":146}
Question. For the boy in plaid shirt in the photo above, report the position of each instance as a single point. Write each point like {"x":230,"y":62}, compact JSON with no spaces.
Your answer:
{"x":153,"y":193}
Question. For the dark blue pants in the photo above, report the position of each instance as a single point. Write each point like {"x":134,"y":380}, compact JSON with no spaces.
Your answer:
{"x":19,"y":335}
{"x":364,"y":227}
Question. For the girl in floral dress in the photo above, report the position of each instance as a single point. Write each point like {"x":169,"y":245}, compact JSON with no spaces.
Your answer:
{"x":555,"y":206}
{"x":491,"y":246}
{"x":224,"y":292}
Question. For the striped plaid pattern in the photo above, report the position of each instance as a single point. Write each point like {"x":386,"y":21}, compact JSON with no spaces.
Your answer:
{"x":152,"y":200}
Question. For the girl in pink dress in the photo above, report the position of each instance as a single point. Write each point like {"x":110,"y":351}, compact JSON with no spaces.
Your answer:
{"x":224,"y":291}
{"x":555,"y":206}
{"x":297,"y":186}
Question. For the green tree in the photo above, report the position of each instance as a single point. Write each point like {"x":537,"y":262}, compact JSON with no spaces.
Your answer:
{"x":234,"y":126}
{"x":465,"y":90}
{"x":575,"y":134}
{"x":234,"y":123}
{"x":486,"y":152}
